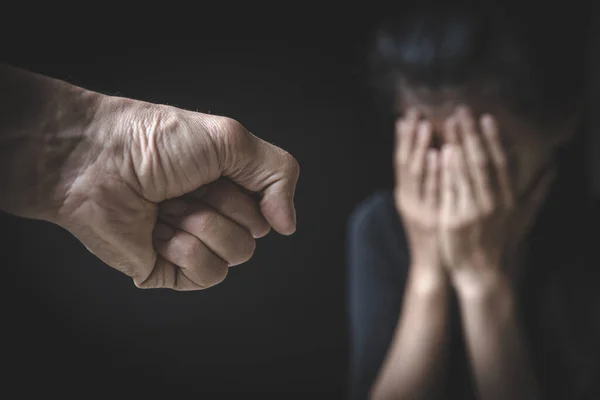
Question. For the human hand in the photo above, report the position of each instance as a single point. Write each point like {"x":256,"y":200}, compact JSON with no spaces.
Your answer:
{"x":145,"y":191}
{"x":481,"y":221}
{"x":417,"y":192}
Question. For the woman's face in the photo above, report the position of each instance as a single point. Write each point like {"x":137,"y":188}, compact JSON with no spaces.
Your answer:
{"x":528,"y":148}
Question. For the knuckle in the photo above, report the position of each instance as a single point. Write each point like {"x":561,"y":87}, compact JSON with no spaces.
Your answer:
{"x":291,"y":165}
{"x":158,"y":118}
{"x":231,"y":132}
{"x":230,"y":126}
{"x":205,"y":220}
{"x":155,"y":125}
{"x":148,"y":131}
{"x":190,"y":247}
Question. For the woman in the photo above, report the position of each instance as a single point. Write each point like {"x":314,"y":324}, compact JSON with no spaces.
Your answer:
{"x":473,"y":277}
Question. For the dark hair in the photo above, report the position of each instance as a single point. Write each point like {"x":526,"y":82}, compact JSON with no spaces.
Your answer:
{"x":534,"y":59}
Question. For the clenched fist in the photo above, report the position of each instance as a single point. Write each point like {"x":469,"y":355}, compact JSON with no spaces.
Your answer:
{"x":170,"y":197}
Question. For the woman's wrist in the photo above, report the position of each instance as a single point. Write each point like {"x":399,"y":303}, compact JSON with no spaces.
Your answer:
{"x":481,"y":284}
{"x":428,"y":278}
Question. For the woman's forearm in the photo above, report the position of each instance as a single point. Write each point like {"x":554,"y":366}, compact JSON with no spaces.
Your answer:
{"x":42,"y":121}
{"x":495,"y":341}
{"x":415,"y":362}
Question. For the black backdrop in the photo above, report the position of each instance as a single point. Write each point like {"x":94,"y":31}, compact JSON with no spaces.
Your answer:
{"x":72,"y":325}
{"x":278,"y":323}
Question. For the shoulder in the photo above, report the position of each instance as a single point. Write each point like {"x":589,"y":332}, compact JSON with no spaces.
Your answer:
{"x":375,"y":215}
{"x":375,"y":208}
{"x":375,"y":224}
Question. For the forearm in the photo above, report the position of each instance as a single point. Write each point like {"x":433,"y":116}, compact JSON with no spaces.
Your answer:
{"x":495,"y":342}
{"x":415,"y":362}
{"x":42,"y":122}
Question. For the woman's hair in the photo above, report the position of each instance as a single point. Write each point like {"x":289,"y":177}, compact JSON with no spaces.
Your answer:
{"x":533,"y":58}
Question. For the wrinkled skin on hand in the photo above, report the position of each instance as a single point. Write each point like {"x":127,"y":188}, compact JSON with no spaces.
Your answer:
{"x":231,"y":186}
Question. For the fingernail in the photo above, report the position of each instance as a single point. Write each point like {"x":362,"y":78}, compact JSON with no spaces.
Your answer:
{"x":446,"y":153}
{"x":424,"y":128}
{"x":463,"y":111}
{"x":173,"y":208}
{"x":486,"y":121}
{"x":163,"y":232}
{"x":432,"y":156}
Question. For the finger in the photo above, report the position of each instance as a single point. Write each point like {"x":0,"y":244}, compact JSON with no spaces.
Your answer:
{"x":460,"y":177}
{"x":166,"y":275}
{"x":196,"y":261}
{"x":231,"y":201}
{"x":448,"y":194}
{"x":225,"y":238}
{"x":431,"y":180}
{"x":450,"y":131}
{"x":259,"y":167}
{"x":418,"y":157}
{"x":405,"y":133}
{"x":476,"y":159}
{"x":490,"y":134}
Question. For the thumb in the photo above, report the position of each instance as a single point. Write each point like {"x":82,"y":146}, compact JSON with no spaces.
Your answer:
{"x":262,"y":168}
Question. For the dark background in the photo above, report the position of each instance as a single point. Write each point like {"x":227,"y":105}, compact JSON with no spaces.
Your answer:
{"x":72,"y":325}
